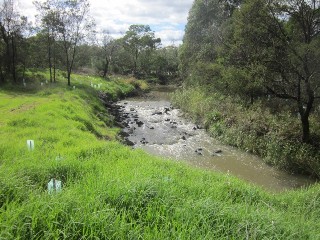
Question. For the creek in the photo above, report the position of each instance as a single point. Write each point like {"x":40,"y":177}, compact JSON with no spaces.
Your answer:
{"x":151,"y":123}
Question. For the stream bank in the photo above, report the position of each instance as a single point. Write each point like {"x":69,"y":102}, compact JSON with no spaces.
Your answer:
{"x":150,"y":122}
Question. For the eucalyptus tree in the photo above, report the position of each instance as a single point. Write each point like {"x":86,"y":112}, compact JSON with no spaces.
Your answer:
{"x":49,"y":18}
{"x":122,"y":59}
{"x":279,"y":41}
{"x":204,"y":33}
{"x":68,"y":22}
{"x":36,"y":48}
{"x":74,"y":25}
{"x":109,"y":46}
{"x":12,"y":26}
{"x":299,"y":37}
{"x":138,"y":40}
{"x":165,"y":63}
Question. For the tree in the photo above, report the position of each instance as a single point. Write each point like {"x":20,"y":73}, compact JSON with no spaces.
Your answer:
{"x":68,"y":21}
{"x":36,"y":49}
{"x":74,"y":26}
{"x":204,"y":33}
{"x":283,"y":37}
{"x":12,"y":25}
{"x":300,"y":39}
{"x":87,"y":58}
{"x":137,"y":40}
{"x":49,"y":23}
{"x":122,"y":59}
{"x":165,"y":63}
{"x":108,"y":46}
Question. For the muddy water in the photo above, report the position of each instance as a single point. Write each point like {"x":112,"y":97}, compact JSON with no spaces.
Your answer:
{"x":151,"y":123}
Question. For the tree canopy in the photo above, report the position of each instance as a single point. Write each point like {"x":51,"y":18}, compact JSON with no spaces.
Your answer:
{"x":256,"y":48}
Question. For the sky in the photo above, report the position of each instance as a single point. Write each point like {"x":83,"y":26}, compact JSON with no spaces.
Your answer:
{"x":167,"y":18}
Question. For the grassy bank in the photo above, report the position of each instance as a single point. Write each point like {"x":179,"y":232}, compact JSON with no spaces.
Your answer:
{"x":112,"y":192}
{"x":273,"y":136}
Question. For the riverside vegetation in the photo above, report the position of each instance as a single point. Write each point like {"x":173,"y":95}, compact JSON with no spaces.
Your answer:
{"x":251,"y":76}
{"x":110,"y":191}
{"x":254,"y":128}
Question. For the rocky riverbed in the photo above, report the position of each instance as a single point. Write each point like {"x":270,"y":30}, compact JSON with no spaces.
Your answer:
{"x":151,"y":123}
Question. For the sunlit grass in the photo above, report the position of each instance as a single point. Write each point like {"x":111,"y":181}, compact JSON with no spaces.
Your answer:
{"x":110,"y":191}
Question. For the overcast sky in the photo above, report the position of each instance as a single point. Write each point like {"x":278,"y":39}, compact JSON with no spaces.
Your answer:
{"x":166,"y":17}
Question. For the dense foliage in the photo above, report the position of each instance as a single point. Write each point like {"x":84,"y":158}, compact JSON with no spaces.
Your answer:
{"x":258,"y":51}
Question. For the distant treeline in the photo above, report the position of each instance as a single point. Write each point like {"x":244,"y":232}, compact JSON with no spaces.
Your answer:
{"x":64,"y":38}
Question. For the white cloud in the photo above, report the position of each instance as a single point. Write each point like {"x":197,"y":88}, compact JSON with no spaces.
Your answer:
{"x":168,"y":17}
{"x":170,"y":36}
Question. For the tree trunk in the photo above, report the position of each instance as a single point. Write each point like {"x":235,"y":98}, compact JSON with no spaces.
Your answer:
{"x":50,"y":66}
{"x":106,"y":67}
{"x":136,"y":61}
{"x":54,"y":73}
{"x":307,"y":110}
{"x":305,"y":129}
{"x":13,"y":60}
{"x":49,"y":55}
{"x":69,"y":77}
{"x":54,"y":62}
{"x":1,"y":74}
{"x":6,"y":40}
{"x":304,"y":112}
{"x":70,"y":64}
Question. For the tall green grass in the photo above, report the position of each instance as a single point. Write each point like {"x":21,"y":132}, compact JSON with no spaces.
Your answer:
{"x":113,"y":192}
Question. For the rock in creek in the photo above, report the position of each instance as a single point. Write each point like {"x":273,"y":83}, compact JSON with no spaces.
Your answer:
{"x":127,"y":142}
{"x":217,"y":153}
{"x":199,"y":151}
{"x":139,"y":123}
{"x":143,"y":141}
{"x":156,"y":113}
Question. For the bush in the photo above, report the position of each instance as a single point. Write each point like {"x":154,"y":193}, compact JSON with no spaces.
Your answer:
{"x":254,"y":128}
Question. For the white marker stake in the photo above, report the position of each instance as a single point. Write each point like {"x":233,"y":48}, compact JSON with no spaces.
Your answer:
{"x":59,"y":158}
{"x":54,"y":186}
{"x":74,"y":87}
{"x":30,"y":144}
